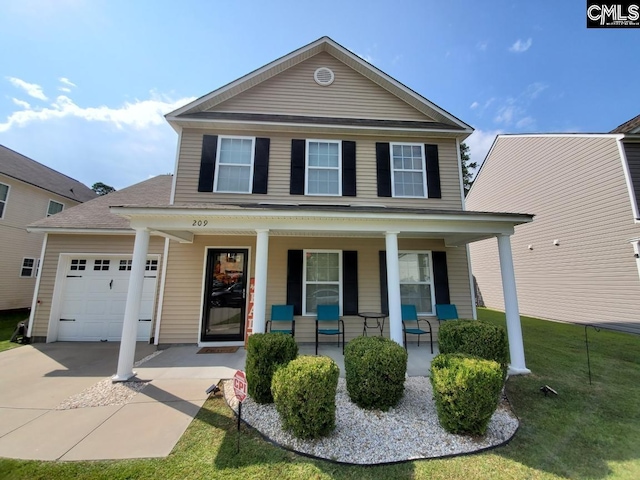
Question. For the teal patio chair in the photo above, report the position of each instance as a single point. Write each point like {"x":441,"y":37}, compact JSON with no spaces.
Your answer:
{"x":410,"y":314}
{"x":446,"y":311}
{"x":328,"y":322}
{"x":282,"y":319}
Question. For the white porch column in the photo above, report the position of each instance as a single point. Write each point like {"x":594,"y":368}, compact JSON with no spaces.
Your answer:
{"x":132,"y":309}
{"x":393,"y":288}
{"x":512,"y":312}
{"x":260,"y":287}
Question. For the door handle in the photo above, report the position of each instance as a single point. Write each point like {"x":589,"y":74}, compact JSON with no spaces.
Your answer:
{"x":111,"y":284}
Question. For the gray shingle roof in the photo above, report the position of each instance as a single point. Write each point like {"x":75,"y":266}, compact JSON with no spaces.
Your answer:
{"x":95,"y":214}
{"x":630,"y":126}
{"x":15,"y":165}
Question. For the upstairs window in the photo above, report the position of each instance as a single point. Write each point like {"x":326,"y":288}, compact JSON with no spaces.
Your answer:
{"x":54,"y":207}
{"x":234,"y":165}
{"x":323,"y":168}
{"x":408,"y":176}
{"x":28,"y":265}
{"x":4,"y":195}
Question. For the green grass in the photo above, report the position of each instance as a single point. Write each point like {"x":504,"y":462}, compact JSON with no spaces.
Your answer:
{"x":8,"y":322}
{"x":586,"y":432}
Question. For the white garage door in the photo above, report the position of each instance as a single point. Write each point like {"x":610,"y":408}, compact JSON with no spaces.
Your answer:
{"x":95,"y":295}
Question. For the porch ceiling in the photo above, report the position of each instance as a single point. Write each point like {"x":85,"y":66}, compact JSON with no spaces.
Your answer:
{"x":181,"y":223}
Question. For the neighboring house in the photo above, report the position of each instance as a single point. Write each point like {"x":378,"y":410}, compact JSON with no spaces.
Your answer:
{"x":314,"y":179}
{"x":579,"y":260}
{"x":29,"y":191}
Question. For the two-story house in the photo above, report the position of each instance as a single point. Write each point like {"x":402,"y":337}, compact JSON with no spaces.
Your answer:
{"x":314,"y":179}
{"x":580,"y":260}
{"x":29,"y":191}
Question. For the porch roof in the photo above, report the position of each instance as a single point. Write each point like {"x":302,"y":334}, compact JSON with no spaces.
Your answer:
{"x":182,"y":222}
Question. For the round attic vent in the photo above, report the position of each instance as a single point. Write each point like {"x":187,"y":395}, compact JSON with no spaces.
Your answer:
{"x":324,"y":76}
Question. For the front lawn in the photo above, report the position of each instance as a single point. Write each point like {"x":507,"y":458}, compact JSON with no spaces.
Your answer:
{"x":587,"y":431}
{"x":8,"y":322}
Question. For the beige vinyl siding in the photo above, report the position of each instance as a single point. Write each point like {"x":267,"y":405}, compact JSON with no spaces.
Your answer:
{"x":576,"y":188}
{"x":182,"y":314}
{"x":295,"y":92}
{"x":82,"y":244}
{"x":25,"y":205}
{"x":280,"y":171}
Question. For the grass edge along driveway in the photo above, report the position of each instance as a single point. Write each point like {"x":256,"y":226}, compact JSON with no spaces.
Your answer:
{"x":587,"y":431}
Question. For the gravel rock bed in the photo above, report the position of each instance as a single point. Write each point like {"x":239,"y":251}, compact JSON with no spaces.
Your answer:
{"x":106,"y":392}
{"x":409,"y":431}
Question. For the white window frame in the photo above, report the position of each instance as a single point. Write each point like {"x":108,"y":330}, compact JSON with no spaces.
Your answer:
{"x":304,"y":279}
{"x":307,"y":167}
{"x":49,"y":207}
{"x":218,"y":164}
{"x":32,"y":267}
{"x":393,"y":170}
{"x":5,"y":201}
{"x":431,"y":283}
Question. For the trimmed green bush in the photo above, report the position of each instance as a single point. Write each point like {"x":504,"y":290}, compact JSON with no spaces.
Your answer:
{"x":375,"y":370}
{"x":466,"y":391}
{"x":266,"y":352}
{"x":475,"y":338}
{"x":305,"y":396}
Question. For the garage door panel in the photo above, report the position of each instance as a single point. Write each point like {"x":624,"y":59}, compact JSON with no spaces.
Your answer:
{"x":117,"y":306}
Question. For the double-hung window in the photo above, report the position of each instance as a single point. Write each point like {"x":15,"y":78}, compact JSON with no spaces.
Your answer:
{"x":234,"y":164}
{"x":408,"y":173}
{"x":323,"y":167}
{"x":322,"y":279}
{"x":54,"y":207}
{"x":4,"y":195}
{"x":28,"y":265}
{"x":416,"y":281}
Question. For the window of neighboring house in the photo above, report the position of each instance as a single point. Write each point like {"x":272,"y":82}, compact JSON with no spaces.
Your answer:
{"x":234,"y":164}
{"x":322,"y":279}
{"x":416,"y":281}
{"x":323,"y":168}
{"x":4,"y":195}
{"x":54,"y":207}
{"x":408,"y":174}
{"x":28,"y":265}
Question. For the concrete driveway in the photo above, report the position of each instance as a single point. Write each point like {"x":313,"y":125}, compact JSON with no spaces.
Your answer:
{"x":56,"y":402}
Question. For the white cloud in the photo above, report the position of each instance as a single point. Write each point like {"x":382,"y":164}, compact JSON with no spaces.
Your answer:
{"x":64,"y":89}
{"x":479,"y":143}
{"x":521,"y":46}
{"x":138,"y":115}
{"x":67,"y":82}
{"x":525,"y":122}
{"x":474,"y":105}
{"x":30,"y":89}
{"x":482,"y":46}
{"x":21,"y":103}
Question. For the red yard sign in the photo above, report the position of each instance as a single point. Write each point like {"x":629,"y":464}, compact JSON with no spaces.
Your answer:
{"x":240,"y":385}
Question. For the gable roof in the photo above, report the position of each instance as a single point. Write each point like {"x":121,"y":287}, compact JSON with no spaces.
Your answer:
{"x":631,"y":126}
{"x":16,"y":165}
{"x":324,"y":44}
{"x":95,"y":214}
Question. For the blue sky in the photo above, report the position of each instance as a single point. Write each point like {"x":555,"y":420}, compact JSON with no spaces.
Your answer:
{"x":84,"y":84}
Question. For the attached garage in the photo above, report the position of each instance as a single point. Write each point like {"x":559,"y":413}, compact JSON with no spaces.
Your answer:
{"x":94,"y":295}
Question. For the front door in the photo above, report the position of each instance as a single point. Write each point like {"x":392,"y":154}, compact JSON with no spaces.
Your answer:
{"x":225,"y":296}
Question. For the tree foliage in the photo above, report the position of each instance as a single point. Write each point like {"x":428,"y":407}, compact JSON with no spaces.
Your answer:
{"x":467,"y":167}
{"x":102,"y":188}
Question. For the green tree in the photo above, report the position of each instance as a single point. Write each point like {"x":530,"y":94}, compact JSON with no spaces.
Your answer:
{"x":467,"y":167}
{"x":102,"y":189}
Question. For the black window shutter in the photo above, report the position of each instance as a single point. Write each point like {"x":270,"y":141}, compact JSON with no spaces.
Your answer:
{"x":294,"y":280}
{"x":384,"y":291}
{"x":350,"y":282}
{"x":261,"y":165}
{"x":207,"y":163}
{"x":383,"y":166}
{"x":297,"y":167}
{"x":433,"y":171}
{"x":441,"y":277}
{"x":348,"y":169}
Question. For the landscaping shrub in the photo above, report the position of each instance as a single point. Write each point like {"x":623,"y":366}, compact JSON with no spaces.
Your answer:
{"x":305,"y":396}
{"x":476,"y":338}
{"x":466,"y":392}
{"x":266,"y":352}
{"x":375,"y":369}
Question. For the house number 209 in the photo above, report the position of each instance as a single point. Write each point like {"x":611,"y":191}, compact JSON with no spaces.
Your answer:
{"x":200,"y":223}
